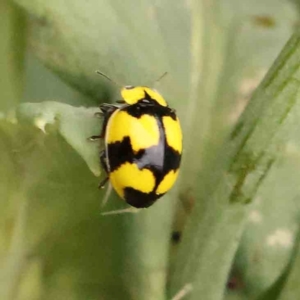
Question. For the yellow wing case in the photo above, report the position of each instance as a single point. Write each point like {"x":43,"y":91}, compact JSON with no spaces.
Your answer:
{"x":143,"y":146}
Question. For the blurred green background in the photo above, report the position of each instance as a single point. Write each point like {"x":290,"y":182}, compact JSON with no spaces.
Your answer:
{"x":229,"y":228}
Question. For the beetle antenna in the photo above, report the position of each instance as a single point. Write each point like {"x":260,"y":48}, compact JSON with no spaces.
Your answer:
{"x":160,"y":77}
{"x":108,"y":78}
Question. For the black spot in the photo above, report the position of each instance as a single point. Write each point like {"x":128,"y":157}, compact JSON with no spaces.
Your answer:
{"x":159,"y":159}
{"x":139,"y":199}
{"x":148,"y":106}
{"x":172,"y":159}
{"x":118,"y":153}
{"x":176,"y":236}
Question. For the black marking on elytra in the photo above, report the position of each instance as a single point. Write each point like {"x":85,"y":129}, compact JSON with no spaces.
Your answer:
{"x":148,"y":97}
{"x":119,"y":153}
{"x":172,"y":159}
{"x":139,"y":199}
{"x":159,"y":159}
{"x":145,"y":108}
{"x":148,"y":106}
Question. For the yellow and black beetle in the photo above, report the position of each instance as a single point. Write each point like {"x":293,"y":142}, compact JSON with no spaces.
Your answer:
{"x":143,"y":145}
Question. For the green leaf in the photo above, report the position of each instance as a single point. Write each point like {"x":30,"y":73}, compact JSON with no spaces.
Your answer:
{"x":253,"y":156}
{"x":12,"y":32}
{"x":76,"y":38}
{"x":57,"y":234}
{"x":275,"y":291}
{"x":75,"y":124}
{"x":210,"y":50}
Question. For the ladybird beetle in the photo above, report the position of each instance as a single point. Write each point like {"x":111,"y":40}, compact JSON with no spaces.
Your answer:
{"x":143,"y":145}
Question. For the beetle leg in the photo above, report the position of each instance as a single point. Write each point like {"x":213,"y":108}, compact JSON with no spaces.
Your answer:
{"x":107,"y":108}
{"x":94,"y":138}
{"x":183,"y":292}
{"x":98,"y":114}
{"x":121,"y":101}
{"x":106,"y":111}
{"x":103,"y":183}
{"x":103,"y":161}
{"x":104,"y":166}
{"x":121,"y":211}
